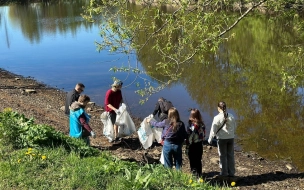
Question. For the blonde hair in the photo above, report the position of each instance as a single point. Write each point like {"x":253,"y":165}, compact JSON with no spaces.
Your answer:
{"x":173,"y":117}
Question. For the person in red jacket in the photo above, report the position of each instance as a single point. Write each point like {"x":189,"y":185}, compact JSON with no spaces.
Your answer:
{"x":113,"y":100}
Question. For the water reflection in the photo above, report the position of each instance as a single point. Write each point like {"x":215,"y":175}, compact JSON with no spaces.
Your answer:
{"x":36,"y":19}
{"x":246,"y":73}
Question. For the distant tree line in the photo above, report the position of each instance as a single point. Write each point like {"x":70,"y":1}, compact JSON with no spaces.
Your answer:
{"x":7,"y":2}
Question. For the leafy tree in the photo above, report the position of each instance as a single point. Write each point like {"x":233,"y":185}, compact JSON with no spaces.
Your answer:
{"x":182,"y":31}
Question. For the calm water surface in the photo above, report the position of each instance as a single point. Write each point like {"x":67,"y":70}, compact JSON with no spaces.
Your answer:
{"x":53,"y":44}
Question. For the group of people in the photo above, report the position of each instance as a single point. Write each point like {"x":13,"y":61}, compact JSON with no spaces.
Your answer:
{"x":78,"y":119}
{"x":175,"y":133}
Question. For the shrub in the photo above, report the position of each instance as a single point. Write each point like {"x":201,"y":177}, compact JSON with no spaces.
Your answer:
{"x":20,"y":132}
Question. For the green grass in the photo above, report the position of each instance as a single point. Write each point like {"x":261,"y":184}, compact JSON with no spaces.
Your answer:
{"x":56,"y":161}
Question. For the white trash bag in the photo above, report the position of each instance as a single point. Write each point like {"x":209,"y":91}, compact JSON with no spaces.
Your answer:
{"x":108,"y":129}
{"x":157,"y":132}
{"x":145,"y":134}
{"x":162,"y":158}
{"x":120,"y":119}
{"x":126,"y":126}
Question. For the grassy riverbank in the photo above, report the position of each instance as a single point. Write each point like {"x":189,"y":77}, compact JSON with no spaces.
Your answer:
{"x":35,"y":156}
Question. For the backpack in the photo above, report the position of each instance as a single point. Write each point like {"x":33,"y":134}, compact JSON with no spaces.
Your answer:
{"x":165,"y":105}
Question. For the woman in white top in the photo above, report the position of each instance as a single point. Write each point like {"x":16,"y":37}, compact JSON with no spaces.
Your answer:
{"x":223,"y":127}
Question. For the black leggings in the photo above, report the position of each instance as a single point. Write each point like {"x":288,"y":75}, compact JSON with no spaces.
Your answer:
{"x":195,"y":157}
{"x":113,"y":117}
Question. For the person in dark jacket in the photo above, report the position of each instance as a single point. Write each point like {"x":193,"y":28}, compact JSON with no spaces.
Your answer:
{"x":174,"y":135}
{"x":196,"y":134}
{"x":159,"y":109}
{"x":73,"y":96}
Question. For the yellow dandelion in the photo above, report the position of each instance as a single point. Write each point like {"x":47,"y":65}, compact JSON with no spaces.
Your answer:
{"x":7,"y":110}
{"x":233,"y":184}
{"x":200,"y":180}
{"x":190,"y":180}
{"x":19,"y":160}
{"x":43,"y":157}
{"x":29,"y":149}
{"x":27,"y":153}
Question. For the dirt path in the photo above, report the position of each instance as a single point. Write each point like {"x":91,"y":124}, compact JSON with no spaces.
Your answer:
{"x":45,"y":103}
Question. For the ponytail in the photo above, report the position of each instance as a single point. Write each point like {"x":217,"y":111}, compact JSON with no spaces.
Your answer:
{"x":222,"y":106}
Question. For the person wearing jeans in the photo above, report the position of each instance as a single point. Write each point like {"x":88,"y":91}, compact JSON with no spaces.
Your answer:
{"x":223,"y":127}
{"x":172,"y":151}
{"x":174,"y":135}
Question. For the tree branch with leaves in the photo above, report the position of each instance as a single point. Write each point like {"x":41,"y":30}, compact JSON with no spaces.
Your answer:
{"x":176,"y":31}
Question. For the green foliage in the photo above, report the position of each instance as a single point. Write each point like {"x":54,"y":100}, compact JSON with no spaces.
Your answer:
{"x":157,"y":177}
{"x":131,"y":181}
{"x":178,"y":34}
{"x":220,"y":50}
{"x":20,"y":132}
{"x":58,"y":169}
{"x":46,"y":166}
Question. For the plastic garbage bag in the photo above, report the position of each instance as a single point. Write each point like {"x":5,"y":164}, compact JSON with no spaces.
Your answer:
{"x":108,"y":129}
{"x":162,"y":158}
{"x":145,"y":134}
{"x":126,"y":126}
{"x":157,"y":132}
{"x":120,"y":119}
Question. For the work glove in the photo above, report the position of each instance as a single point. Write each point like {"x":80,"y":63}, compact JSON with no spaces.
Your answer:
{"x":93,"y":134}
{"x":117,"y":112}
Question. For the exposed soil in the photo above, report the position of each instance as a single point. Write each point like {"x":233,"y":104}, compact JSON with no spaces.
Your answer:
{"x":45,"y":105}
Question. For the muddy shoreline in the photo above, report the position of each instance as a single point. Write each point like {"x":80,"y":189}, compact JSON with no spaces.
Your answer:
{"x":35,"y":99}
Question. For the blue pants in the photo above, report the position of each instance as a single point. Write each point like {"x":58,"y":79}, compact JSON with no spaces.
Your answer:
{"x":172,"y":151}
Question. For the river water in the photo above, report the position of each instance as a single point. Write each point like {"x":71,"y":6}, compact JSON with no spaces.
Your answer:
{"x":54,"y":45}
